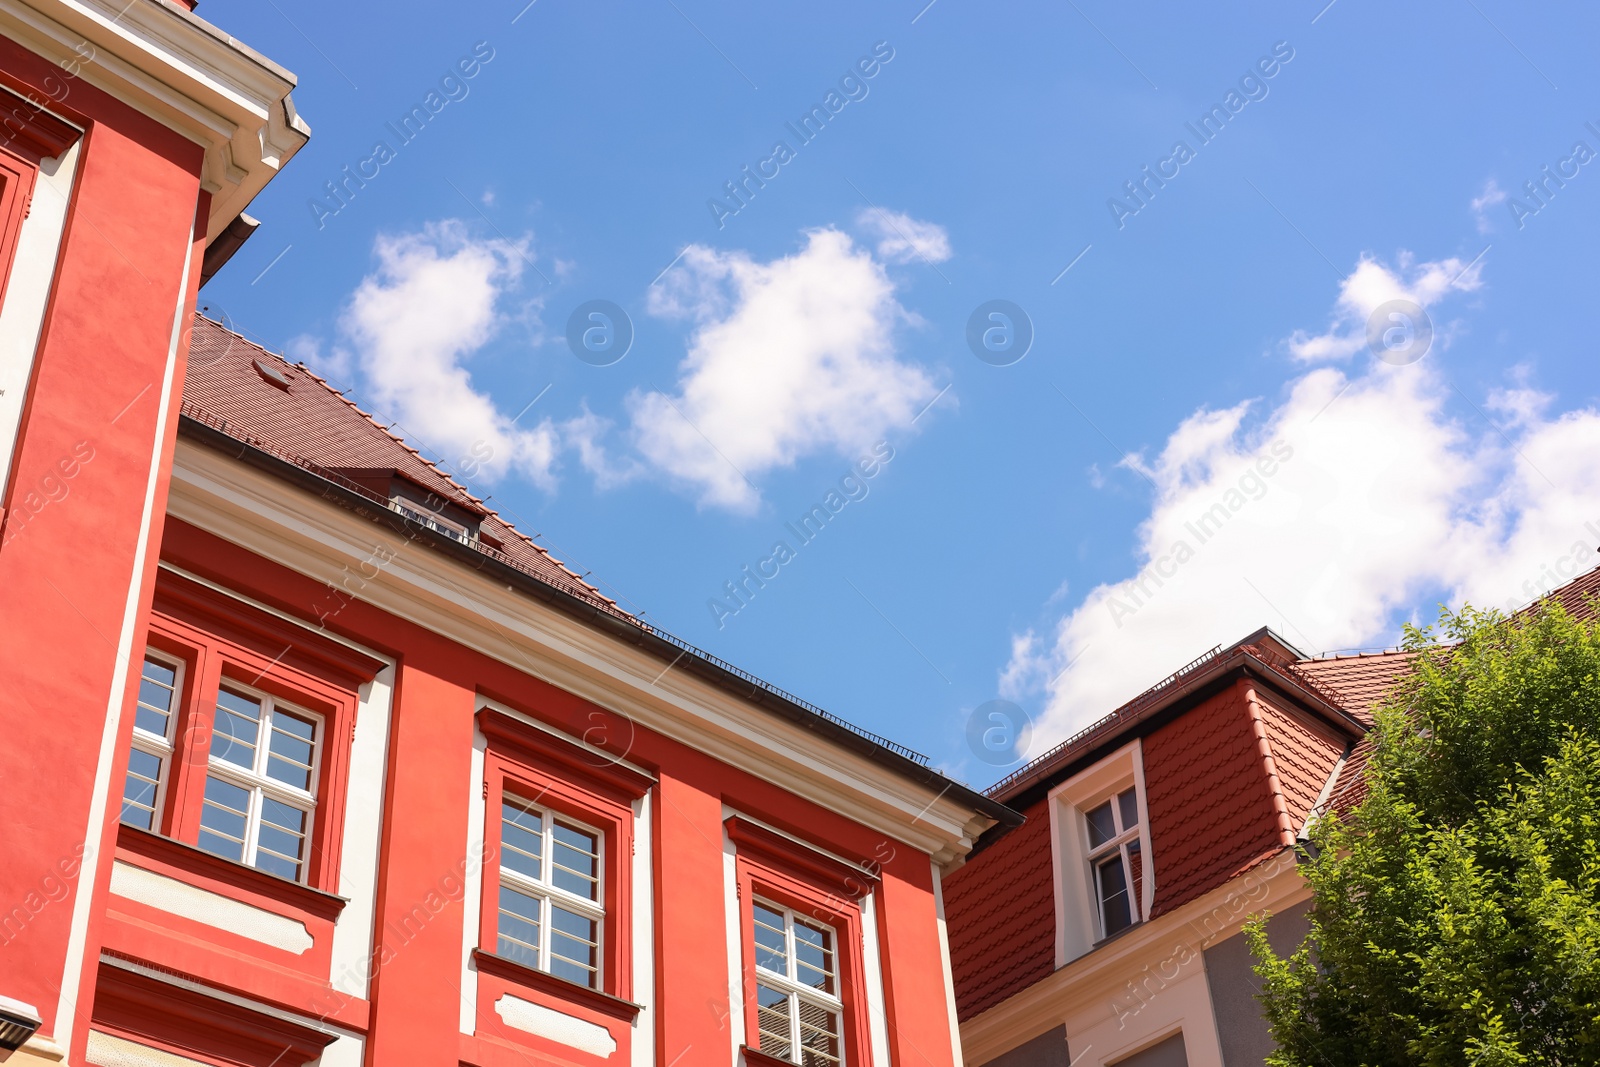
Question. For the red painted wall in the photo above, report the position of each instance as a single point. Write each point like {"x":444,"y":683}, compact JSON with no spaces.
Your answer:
{"x":75,"y":497}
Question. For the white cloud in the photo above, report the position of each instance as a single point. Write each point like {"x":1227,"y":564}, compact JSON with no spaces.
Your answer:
{"x":1369,"y":496}
{"x":435,"y":298}
{"x":787,"y":359}
{"x":1371,"y":284}
{"x":1492,"y":196}
{"x":902,"y":238}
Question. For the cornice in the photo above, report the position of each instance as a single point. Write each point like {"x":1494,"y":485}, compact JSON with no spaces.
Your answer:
{"x":250,"y":508}
{"x":183,"y":72}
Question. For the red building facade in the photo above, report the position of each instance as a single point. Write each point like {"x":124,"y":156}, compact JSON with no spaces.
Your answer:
{"x":313,"y":758}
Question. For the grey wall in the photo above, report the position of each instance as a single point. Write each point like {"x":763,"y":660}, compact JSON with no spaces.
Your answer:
{"x":1047,"y":1050}
{"x":1234,"y":985}
{"x":1170,"y":1053}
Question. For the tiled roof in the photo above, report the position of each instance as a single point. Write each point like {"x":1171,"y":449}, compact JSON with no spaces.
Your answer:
{"x":313,"y":425}
{"x":1211,"y":810}
{"x":1304,"y":753}
{"x":1001,"y":917}
{"x":1361,"y":680}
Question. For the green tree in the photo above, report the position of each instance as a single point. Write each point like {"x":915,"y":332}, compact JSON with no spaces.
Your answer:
{"x":1455,"y":917}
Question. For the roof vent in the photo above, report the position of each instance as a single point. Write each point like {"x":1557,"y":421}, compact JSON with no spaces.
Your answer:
{"x":271,"y":375}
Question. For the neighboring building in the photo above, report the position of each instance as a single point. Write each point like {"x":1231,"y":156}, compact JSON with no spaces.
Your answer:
{"x":314,"y":759}
{"x":1106,"y":929}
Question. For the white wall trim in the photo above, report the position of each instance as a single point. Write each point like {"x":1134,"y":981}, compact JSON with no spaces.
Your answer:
{"x":644,"y":932}
{"x":555,"y":1025}
{"x":77,"y":940}
{"x":949,"y":975}
{"x":354,"y":931}
{"x":27,"y":294}
{"x":212,"y":909}
{"x":872,"y":968}
{"x":472,"y":902}
{"x":733,"y":925}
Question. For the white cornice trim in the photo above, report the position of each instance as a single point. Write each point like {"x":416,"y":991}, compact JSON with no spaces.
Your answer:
{"x":259,"y":513}
{"x":183,"y":72}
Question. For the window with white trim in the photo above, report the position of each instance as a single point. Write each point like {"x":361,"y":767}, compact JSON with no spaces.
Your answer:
{"x":1114,"y":859}
{"x":155,"y":720}
{"x":261,"y":781}
{"x":551,"y":898}
{"x":799,"y":1013}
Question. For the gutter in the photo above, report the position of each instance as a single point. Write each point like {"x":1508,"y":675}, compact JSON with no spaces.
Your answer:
{"x":623,"y":628}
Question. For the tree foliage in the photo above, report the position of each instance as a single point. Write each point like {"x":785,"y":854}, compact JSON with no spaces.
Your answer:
{"x":1455,"y":917}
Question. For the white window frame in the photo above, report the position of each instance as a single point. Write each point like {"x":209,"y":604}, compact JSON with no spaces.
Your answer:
{"x":794,"y":988}
{"x":258,"y":782}
{"x":1117,"y":844}
{"x":155,"y":745}
{"x":1077,"y":904}
{"x":544,"y":889}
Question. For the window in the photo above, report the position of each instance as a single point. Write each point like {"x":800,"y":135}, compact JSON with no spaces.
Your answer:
{"x":154,"y":722}
{"x":260,"y":794}
{"x":551,"y":907}
{"x":1114,"y":859}
{"x":799,"y":1011}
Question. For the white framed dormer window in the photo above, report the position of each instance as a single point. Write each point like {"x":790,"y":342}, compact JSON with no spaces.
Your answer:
{"x":261,"y":780}
{"x":551,"y":886}
{"x":1115,"y":859}
{"x":1104,"y":873}
{"x":799,"y":1013}
{"x":155,"y":718}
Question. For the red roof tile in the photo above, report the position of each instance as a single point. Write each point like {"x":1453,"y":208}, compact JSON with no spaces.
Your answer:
{"x":1304,"y":754}
{"x":1211,"y":811}
{"x":1001,"y":917}
{"x":313,"y":425}
{"x":1360,"y":681}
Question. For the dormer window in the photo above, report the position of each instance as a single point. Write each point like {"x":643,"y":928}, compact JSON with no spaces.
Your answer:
{"x":1115,"y":859}
{"x":432,"y":520}
{"x":453,"y":515}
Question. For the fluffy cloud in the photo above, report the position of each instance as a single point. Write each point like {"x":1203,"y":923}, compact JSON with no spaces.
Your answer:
{"x":1492,"y":196}
{"x":433,"y":300}
{"x":902,"y":238}
{"x":786,"y":359}
{"x":1372,"y":284}
{"x":1327,"y":516}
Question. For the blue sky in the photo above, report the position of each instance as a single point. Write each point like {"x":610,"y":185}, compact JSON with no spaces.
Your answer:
{"x":1037,"y":534}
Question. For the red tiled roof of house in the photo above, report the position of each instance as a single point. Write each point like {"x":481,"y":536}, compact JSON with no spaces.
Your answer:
{"x":1001,"y":917}
{"x":1361,"y":680}
{"x":313,"y":425}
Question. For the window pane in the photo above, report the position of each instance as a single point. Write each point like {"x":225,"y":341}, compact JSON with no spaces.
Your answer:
{"x":1114,"y":904}
{"x":574,"y":954}
{"x":139,"y":790}
{"x":1102,"y":825}
{"x":518,"y":927}
{"x":223,"y":817}
{"x":280,"y":843}
{"x":290,"y":749}
{"x":813,"y":949}
{"x":238,"y":723}
{"x":521,"y":839}
{"x":772,"y":1022}
{"x":155,"y":698}
{"x":577,"y":861}
{"x":772,"y":951}
{"x":819,"y":1035}
{"x":1128,"y":804}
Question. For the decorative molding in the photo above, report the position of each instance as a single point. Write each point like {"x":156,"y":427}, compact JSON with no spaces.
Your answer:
{"x":754,"y":1057}
{"x":183,"y":72}
{"x":533,"y":978}
{"x":211,"y":909}
{"x":556,"y":1026}
{"x":543,"y":745}
{"x":798,"y":858}
{"x":139,"y":1004}
{"x":195,"y":860}
{"x":251,"y":509}
{"x":41,"y":136}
